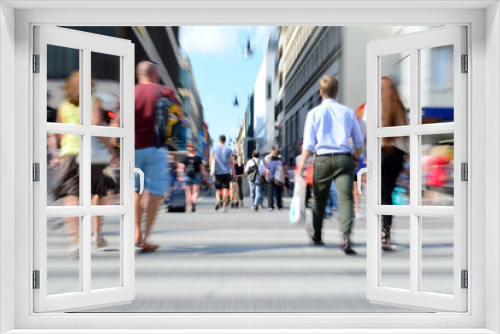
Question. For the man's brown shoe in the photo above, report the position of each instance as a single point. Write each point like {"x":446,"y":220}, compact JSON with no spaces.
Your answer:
{"x":346,"y":247}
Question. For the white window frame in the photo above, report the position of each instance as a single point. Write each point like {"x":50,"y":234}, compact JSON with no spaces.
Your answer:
{"x":86,"y":44}
{"x":415,"y":210}
{"x":484,"y":102}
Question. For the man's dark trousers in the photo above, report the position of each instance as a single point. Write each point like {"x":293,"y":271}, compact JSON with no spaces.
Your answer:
{"x":340,"y":168}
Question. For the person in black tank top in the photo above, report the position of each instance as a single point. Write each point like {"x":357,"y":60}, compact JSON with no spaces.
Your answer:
{"x":192,"y":172}
{"x":239,"y":168}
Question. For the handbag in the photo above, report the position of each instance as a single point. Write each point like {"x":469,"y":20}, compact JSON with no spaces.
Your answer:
{"x":99,"y":152}
{"x":298,"y":204}
{"x":279,"y":175}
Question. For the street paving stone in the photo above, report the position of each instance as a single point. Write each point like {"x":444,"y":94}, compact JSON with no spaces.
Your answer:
{"x":246,"y":261}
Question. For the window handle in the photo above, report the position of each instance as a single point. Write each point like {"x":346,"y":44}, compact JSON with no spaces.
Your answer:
{"x":139,"y":171}
{"x":362,"y":171}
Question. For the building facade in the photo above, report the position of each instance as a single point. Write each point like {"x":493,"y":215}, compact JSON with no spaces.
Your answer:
{"x":248,"y":125}
{"x":305,"y":55}
{"x":193,"y":109}
{"x":265,"y":92}
{"x":157,"y":44}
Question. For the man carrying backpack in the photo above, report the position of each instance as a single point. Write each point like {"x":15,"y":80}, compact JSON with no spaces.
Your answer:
{"x":255,"y":170}
{"x":150,"y":150}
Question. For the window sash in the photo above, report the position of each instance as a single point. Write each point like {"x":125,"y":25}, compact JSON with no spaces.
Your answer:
{"x":454,"y":35}
{"x":85,"y":43}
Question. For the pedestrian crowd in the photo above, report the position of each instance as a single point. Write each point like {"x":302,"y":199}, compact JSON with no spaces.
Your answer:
{"x":332,"y":152}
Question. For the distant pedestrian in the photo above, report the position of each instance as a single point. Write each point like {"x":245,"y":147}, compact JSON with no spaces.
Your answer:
{"x":239,"y":169}
{"x":150,"y":156}
{"x":327,"y":131}
{"x":393,"y":151}
{"x":222,"y":161}
{"x":268,"y":156}
{"x":191,"y":171}
{"x":265,"y":186}
{"x":171,"y":177}
{"x":273,"y":183}
{"x":285,"y":171}
{"x":255,"y":170}
{"x":291,"y":181}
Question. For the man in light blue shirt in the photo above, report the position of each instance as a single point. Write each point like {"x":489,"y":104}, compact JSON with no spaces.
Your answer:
{"x":328,"y":132}
{"x":222,"y":167}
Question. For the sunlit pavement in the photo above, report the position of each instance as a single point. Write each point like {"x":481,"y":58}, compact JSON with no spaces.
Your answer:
{"x":246,"y":261}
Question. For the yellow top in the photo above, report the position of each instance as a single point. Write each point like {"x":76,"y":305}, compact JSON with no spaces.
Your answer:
{"x":70,"y":114}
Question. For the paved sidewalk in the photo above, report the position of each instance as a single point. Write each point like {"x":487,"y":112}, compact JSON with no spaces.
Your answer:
{"x":244,"y":261}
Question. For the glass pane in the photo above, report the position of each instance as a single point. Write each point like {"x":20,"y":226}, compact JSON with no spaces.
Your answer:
{"x":105,"y":171}
{"x":63,"y":253}
{"x":395,"y":255}
{"x":436,"y":84}
{"x":437,"y":170}
{"x":63,"y":172}
{"x":395,"y":171}
{"x":105,"y":89}
{"x":395,"y":89}
{"x":63,"y":84}
{"x":106,"y":252}
{"x":437,"y":254}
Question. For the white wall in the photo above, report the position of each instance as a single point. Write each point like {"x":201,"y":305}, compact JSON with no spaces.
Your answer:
{"x":7,"y":160}
{"x":484,"y":108}
{"x":492,"y":162}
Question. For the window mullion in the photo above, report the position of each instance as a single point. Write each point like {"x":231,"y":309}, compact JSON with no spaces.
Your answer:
{"x":109,"y":132}
{"x":85,"y":169}
{"x":415,"y":167}
{"x":433,"y":129}
{"x":66,"y":129}
{"x":393,"y":131}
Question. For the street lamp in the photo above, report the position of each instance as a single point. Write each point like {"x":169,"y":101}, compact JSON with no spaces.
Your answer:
{"x":248,"y":52}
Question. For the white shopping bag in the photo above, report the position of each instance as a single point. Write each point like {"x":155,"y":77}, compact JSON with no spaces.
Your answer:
{"x":298,"y":205}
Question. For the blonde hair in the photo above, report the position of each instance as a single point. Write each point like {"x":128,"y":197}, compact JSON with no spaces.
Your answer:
{"x":71,"y":88}
{"x":329,"y":86}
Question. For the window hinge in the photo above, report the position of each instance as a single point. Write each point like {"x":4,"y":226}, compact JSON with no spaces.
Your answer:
{"x":465,"y":279}
{"x":36,"y":63}
{"x":465,"y":64}
{"x":36,"y":279}
{"x":464,"y":171}
{"x":36,"y":172}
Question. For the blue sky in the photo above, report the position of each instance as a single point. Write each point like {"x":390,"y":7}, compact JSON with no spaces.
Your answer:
{"x":221,"y":71}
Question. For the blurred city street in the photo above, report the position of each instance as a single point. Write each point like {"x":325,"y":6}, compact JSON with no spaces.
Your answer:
{"x":245,"y":261}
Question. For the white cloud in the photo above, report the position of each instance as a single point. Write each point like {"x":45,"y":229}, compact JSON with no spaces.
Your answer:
{"x":209,"y":40}
{"x":216,"y":40}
